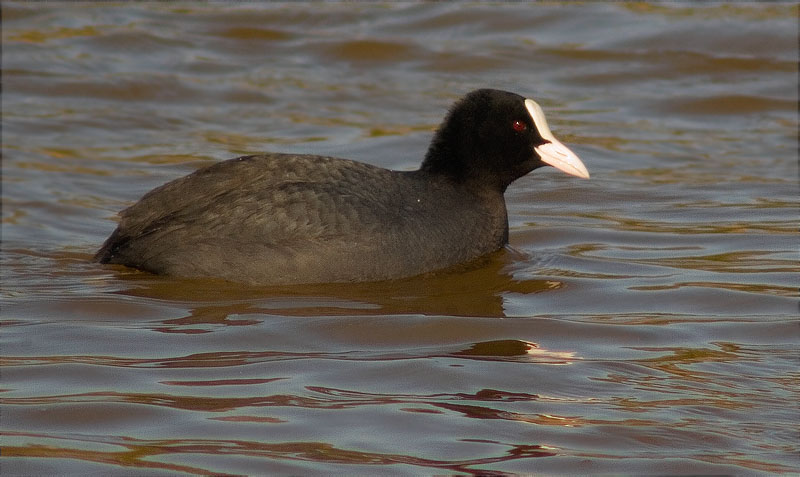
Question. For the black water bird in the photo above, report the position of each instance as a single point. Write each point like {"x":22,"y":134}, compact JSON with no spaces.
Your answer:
{"x":291,"y":219}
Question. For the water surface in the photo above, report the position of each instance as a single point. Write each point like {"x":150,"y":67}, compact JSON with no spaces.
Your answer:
{"x":642,"y":322}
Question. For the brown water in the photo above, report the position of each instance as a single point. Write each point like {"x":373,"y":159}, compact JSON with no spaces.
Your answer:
{"x":642,"y":322}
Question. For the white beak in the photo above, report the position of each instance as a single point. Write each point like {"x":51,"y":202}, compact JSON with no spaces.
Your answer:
{"x":553,"y":152}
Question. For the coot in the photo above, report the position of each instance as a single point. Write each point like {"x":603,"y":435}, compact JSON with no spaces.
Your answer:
{"x":294,"y":218}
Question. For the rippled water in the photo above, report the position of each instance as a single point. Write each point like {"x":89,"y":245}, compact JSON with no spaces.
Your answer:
{"x":642,"y":322}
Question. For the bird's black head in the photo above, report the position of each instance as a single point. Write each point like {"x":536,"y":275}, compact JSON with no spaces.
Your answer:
{"x":492,"y":138}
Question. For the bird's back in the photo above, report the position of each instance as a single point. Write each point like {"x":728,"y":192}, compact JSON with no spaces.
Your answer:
{"x":282,"y":218}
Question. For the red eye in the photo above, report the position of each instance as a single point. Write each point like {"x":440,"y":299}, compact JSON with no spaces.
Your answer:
{"x":519,"y":126}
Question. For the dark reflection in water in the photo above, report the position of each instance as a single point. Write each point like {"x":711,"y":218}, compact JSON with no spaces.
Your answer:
{"x":642,"y":322}
{"x":474,"y":289}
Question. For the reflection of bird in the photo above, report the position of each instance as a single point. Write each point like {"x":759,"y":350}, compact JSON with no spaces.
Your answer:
{"x":283,"y":218}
